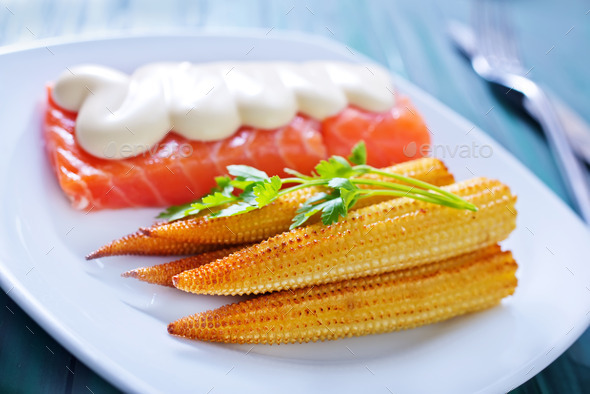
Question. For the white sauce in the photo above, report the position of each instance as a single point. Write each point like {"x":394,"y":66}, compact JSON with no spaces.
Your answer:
{"x":122,"y":115}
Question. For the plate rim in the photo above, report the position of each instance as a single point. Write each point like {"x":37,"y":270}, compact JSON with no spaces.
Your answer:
{"x":121,"y":377}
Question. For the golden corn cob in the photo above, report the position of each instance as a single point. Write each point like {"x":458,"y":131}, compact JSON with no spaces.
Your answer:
{"x":278,"y":216}
{"x":389,"y":236}
{"x":142,"y":244}
{"x":369,"y":305}
{"x":162,"y":274}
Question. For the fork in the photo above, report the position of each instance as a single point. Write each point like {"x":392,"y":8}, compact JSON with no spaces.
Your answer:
{"x":498,"y":61}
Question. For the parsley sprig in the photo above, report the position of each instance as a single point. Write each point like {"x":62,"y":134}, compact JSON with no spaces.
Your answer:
{"x":247,"y":188}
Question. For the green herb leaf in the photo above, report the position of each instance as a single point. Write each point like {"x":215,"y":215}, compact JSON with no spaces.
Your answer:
{"x":242,"y":185}
{"x":334,"y":167}
{"x":247,"y":173}
{"x":248,"y":194}
{"x":358,"y":155}
{"x":175,"y":212}
{"x":216,"y":199}
{"x":332,"y":210}
{"x":332,"y":206}
{"x":267,"y":191}
{"x":338,"y":183}
{"x":235,"y":209}
{"x":308,"y":209}
{"x":349,"y":197}
{"x":302,"y":217}
{"x":223,"y":185}
{"x":313,"y":200}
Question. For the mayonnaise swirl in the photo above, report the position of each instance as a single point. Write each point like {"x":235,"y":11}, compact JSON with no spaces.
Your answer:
{"x":121,"y":115}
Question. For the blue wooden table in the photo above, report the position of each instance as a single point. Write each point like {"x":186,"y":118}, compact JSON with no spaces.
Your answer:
{"x":408,"y":37}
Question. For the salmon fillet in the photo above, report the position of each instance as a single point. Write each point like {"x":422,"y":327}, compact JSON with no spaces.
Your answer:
{"x":178,"y":170}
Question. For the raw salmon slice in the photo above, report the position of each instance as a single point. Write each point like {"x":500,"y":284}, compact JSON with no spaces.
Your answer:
{"x":178,"y":170}
{"x":391,"y":137}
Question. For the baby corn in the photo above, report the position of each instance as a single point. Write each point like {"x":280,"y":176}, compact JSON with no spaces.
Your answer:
{"x":389,"y":236}
{"x":277,"y":217}
{"x":162,"y":274}
{"x":370,"y":305}
{"x":141,"y":244}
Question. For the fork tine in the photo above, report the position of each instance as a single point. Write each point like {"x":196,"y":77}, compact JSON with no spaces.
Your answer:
{"x":486,"y":32}
{"x":479,"y":17}
{"x":496,"y":35}
{"x":506,"y":35}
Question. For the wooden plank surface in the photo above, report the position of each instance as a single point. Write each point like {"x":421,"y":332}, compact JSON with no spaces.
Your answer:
{"x":408,"y":37}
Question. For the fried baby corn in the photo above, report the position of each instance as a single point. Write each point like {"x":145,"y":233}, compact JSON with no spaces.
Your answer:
{"x":277,"y":217}
{"x":392,"y":235}
{"x":370,"y":305}
{"x":199,"y":234}
{"x":162,"y":274}
{"x":141,"y":244}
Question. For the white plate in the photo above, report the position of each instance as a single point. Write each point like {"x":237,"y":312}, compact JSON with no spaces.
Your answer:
{"x":118,"y":326}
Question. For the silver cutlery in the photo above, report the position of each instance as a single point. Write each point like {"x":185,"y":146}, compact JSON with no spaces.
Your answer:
{"x":494,"y":56}
{"x":575,"y":127}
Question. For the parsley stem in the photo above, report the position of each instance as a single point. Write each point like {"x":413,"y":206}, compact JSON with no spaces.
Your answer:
{"x":432,"y":198}
{"x":246,"y":188}
{"x":411,"y":181}
{"x":390,"y":185}
{"x":294,"y":180}
{"x":303,"y":185}
{"x":412,"y":191}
